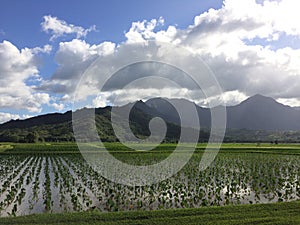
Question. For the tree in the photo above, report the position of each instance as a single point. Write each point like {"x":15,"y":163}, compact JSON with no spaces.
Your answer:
{"x":32,"y":137}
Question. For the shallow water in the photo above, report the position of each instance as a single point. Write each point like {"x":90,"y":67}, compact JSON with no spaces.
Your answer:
{"x":74,"y":186}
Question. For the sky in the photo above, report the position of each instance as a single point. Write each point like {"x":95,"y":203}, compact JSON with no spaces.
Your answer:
{"x":251,"y":46}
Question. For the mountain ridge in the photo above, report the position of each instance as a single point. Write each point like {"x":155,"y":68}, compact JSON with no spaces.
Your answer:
{"x":257,"y":113}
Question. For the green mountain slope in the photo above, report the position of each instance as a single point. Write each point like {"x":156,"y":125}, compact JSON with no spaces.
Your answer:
{"x":58,"y":127}
{"x":249,"y":121}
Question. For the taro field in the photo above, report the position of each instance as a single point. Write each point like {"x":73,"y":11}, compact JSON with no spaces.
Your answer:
{"x":55,"y":178}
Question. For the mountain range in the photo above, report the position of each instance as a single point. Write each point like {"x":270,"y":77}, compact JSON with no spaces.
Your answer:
{"x":258,"y":118}
{"x":255,"y":113}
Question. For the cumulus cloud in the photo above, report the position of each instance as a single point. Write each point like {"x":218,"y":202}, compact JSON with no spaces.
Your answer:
{"x":16,"y":67}
{"x":4,"y":116}
{"x":60,"y":28}
{"x":118,"y":64}
{"x":73,"y":58}
{"x":238,"y":42}
{"x":224,"y":39}
{"x":101,"y":100}
{"x":58,"y":106}
{"x":142,"y":30}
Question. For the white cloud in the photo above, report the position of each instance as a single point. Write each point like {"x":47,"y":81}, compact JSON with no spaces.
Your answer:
{"x":101,"y":100}
{"x":4,"y":117}
{"x":16,"y":67}
{"x":223,"y":38}
{"x":248,"y":19}
{"x":228,"y":98}
{"x":238,"y":42}
{"x":57,"y":106}
{"x":73,"y":58}
{"x":294,"y":102}
{"x":124,"y":96}
{"x":60,"y":28}
{"x":141,"y":31}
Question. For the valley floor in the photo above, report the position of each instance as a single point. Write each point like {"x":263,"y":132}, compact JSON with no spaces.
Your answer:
{"x":51,"y":184}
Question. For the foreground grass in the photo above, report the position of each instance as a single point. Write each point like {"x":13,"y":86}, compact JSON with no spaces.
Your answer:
{"x":276,"y":213}
{"x":4,"y":147}
{"x":71,"y":147}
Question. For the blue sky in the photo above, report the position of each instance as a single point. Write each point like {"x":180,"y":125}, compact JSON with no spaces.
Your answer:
{"x":45,"y":46}
{"x":20,"y":20}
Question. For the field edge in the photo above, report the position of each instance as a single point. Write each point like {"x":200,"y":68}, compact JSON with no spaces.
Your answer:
{"x":273,"y":213}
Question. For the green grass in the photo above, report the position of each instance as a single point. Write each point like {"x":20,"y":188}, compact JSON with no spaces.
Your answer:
{"x":4,"y":147}
{"x":71,"y":147}
{"x":279,"y":213}
{"x":28,"y":148}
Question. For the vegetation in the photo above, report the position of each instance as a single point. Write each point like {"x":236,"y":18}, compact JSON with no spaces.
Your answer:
{"x":41,"y":178}
{"x":54,"y":128}
{"x":4,"y":147}
{"x":58,"y":128}
{"x":279,"y":213}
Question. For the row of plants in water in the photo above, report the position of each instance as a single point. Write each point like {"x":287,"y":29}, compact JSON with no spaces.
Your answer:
{"x":37,"y":183}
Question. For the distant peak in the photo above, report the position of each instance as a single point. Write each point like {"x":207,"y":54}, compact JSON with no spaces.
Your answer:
{"x":259,"y":97}
{"x":259,"y":100}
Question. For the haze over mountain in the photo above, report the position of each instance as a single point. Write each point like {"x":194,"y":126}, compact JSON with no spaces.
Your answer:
{"x":263,"y":113}
{"x":257,"y":113}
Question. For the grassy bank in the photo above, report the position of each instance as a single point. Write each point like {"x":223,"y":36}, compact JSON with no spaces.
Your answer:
{"x":278,"y":213}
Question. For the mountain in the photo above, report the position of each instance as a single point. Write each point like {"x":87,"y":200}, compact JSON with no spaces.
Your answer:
{"x":255,"y":113}
{"x":58,"y":126}
{"x":258,"y":118}
{"x":168,"y":112}
{"x":47,"y":119}
{"x":263,"y":113}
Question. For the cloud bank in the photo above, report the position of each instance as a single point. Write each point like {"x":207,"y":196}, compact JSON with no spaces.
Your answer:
{"x":240,"y":42}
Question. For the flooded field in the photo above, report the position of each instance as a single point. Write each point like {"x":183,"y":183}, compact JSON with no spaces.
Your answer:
{"x":39,"y":183}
